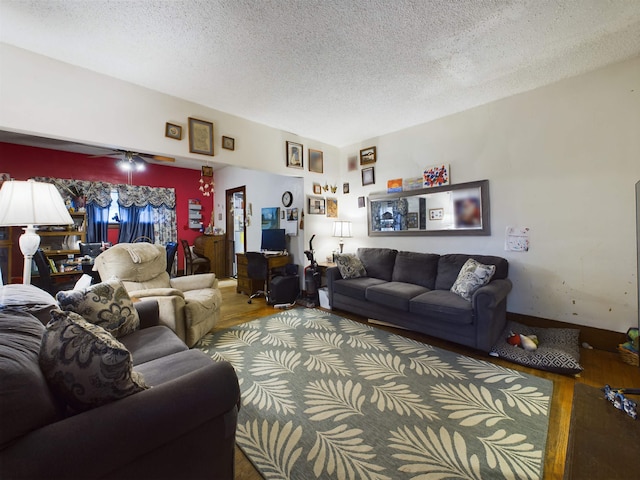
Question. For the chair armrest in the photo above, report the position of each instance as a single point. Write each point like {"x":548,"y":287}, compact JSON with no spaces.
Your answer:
{"x":110,"y":437}
{"x":149,"y":313}
{"x":491,"y":294}
{"x":195,"y":282}
{"x":332,"y":274}
{"x":156,"y":292}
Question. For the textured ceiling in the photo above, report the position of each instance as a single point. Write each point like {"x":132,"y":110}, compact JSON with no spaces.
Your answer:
{"x":338,"y":71}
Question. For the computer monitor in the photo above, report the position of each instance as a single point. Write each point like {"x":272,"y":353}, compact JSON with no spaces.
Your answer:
{"x":274,"y":240}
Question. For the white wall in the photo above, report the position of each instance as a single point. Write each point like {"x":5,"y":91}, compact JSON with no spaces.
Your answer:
{"x":562,"y":160}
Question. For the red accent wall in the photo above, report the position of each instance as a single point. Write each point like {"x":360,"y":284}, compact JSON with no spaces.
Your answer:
{"x":23,"y":162}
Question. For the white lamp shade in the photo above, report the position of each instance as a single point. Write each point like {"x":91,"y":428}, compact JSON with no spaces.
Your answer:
{"x":32,"y":203}
{"x":342,"y":229}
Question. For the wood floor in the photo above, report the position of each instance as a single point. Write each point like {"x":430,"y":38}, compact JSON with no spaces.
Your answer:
{"x":600,"y":368}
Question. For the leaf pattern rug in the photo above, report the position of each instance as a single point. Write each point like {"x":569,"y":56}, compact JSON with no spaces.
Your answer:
{"x":326,"y":397}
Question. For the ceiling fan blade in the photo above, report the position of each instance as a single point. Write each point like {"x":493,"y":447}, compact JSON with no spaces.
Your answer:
{"x":160,"y":158}
{"x":109,"y":155}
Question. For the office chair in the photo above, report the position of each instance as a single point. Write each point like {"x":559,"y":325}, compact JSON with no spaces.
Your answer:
{"x":91,"y":249}
{"x":194,"y":265}
{"x":172,"y":248}
{"x":45,"y":280}
{"x":258,"y":269}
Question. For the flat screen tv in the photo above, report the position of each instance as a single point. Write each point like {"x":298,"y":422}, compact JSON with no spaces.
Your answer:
{"x":274,"y":240}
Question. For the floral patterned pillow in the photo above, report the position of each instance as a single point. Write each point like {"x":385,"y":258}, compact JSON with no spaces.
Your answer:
{"x":84,"y":365}
{"x":106,"y":304}
{"x":472,"y":276}
{"x":350,"y":266}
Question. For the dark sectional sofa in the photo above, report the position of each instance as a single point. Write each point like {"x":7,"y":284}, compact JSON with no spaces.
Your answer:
{"x":412,"y":291}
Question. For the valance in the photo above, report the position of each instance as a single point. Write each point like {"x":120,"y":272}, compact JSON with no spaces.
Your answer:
{"x":141,"y":196}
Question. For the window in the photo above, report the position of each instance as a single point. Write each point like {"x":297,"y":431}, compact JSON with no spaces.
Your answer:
{"x":114,"y":208}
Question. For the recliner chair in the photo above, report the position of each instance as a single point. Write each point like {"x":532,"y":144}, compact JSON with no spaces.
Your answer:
{"x":189,"y":305}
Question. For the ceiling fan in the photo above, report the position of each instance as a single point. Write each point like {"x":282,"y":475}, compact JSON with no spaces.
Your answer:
{"x":129,"y":161}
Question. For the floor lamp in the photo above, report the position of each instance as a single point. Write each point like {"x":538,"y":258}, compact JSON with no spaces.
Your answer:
{"x":29,"y":204}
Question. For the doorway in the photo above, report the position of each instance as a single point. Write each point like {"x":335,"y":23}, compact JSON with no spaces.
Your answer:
{"x":236,"y":227}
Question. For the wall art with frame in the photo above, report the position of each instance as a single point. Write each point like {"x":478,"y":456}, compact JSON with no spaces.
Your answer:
{"x":317,"y":206}
{"x":295,"y":154}
{"x":368,"y":176}
{"x":368,"y":156}
{"x":316,"y":161}
{"x":200,"y":136}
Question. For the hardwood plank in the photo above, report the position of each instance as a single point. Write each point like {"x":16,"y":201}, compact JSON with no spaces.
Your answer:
{"x":600,"y":367}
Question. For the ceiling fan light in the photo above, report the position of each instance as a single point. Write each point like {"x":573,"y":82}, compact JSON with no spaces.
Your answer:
{"x":141,"y":166}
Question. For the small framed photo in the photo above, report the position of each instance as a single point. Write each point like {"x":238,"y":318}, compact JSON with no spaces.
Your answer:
{"x":317,"y":189}
{"x":171,"y":130}
{"x":316,"y":206}
{"x":207,"y":171}
{"x":345,"y":188}
{"x":332,"y":207}
{"x":200,"y":137}
{"x":361,"y":202}
{"x":368,"y":176}
{"x":436,"y":213}
{"x":412,"y":220}
{"x":316,"y":161}
{"x":228,"y":143}
{"x":294,"y":155}
{"x":368,"y":155}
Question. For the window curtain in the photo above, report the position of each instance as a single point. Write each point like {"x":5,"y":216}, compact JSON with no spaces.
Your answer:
{"x":147,"y":212}
{"x":136,"y":223}
{"x":97,"y":223}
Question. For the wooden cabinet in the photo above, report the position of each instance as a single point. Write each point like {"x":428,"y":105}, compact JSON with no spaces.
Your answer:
{"x":59,"y":242}
{"x":213,"y":247}
{"x":249,"y":286}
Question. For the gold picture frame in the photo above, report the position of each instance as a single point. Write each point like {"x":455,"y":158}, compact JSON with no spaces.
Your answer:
{"x":368,"y":155}
{"x":171,"y":130}
{"x":228,"y":143}
{"x":200,"y":137}
{"x":207,"y":171}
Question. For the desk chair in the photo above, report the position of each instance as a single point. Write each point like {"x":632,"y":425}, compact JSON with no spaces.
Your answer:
{"x":45,"y":280}
{"x":194,"y":265}
{"x":258,"y":269}
{"x":172,"y":248}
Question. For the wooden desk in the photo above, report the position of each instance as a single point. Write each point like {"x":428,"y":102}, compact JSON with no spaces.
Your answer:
{"x":248,"y":286}
{"x":213,"y":247}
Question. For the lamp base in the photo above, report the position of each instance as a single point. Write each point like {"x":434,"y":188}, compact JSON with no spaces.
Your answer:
{"x":29,"y":243}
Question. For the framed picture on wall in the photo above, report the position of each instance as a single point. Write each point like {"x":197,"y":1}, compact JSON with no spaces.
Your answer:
{"x":368,"y":155}
{"x":317,"y":189}
{"x":316,"y":161}
{"x":368,"y":176}
{"x":332,"y":207}
{"x":171,"y":130}
{"x":294,"y":155}
{"x":345,"y":188}
{"x":200,"y":137}
{"x":317,"y":206}
{"x":228,"y":143}
{"x":361,"y":202}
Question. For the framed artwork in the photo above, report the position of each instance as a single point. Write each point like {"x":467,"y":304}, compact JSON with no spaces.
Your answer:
{"x":345,"y":188}
{"x":228,"y":143}
{"x":316,"y":206}
{"x":436,"y":213}
{"x":332,"y":207}
{"x":436,"y":176}
{"x":281,"y":214}
{"x":361,"y":202}
{"x":368,"y":176}
{"x":317,"y":189}
{"x":270,"y":218}
{"x":368,"y":155}
{"x":292,"y":214}
{"x":200,"y":137}
{"x":172,"y":130}
{"x":394,"y":185}
{"x":294,"y":155}
{"x":352,"y":163}
{"x":412,"y":220}
{"x":207,"y":171}
{"x":316,"y":161}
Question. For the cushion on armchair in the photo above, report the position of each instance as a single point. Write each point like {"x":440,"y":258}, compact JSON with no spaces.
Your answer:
{"x":84,"y":364}
{"x":106,"y":304}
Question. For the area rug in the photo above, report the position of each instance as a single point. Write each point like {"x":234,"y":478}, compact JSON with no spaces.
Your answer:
{"x":326,"y":397}
{"x":603,"y":442}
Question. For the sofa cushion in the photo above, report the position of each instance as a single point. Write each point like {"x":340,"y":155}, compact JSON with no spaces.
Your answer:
{"x":152,"y":343}
{"x":165,"y":369}
{"x":84,"y":364}
{"x":417,"y":268}
{"x":106,"y":304}
{"x":350,"y":266}
{"x":472,"y":276}
{"x":26,"y":403}
{"x":394,"y":294}
{"x":378,"y":262}
{"x":449,"y":267}
{"x":443,"y":306}
{"x":30,"y":299}
{"x":355,"y":287}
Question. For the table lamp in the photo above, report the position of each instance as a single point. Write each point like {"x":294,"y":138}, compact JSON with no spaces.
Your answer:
{"x":27,"y":204}
{"x":342,"y":230}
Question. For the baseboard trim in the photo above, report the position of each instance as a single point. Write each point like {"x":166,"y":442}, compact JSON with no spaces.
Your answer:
{"x":596,"y":337}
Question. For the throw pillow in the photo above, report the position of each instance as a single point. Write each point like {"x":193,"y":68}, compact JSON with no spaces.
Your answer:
{"x":472,"y":276}
{"x":350,"y":266}
{"x":84,"y":365}
{"x":106,"y":304}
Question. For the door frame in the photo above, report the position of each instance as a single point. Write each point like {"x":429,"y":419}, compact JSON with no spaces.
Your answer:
{"x":230,"y":224}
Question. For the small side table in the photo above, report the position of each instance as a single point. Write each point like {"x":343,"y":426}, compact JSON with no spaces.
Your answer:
{"x":322,"y":268}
